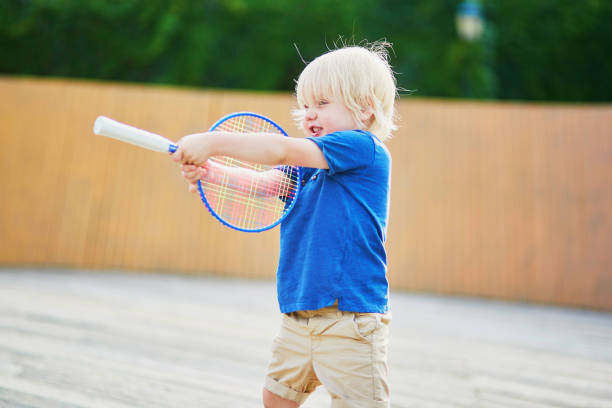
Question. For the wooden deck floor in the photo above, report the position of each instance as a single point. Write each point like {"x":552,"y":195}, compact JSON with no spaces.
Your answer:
{"x":117,"y":340}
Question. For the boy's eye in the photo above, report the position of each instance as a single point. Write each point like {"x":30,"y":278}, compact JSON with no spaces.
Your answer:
{"x":318,"y":103}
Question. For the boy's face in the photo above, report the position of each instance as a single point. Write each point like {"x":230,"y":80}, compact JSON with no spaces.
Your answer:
{"x":327,"y":116}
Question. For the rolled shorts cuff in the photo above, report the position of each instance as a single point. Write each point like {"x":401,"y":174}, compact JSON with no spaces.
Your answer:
{"x":284,"y":391}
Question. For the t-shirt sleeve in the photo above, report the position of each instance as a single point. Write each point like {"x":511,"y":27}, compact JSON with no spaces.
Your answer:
{"x":346,"y":150}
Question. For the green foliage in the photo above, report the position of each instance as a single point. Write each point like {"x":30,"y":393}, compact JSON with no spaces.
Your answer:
{"x":429,"y":56}
{"x":553,"y":49}
{"x":534,"y":50}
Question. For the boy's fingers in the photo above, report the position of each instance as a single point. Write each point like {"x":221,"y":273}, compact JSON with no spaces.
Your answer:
{"x":179,"y":156}
{"x":192,"y":175}
{"x":191,"y":172}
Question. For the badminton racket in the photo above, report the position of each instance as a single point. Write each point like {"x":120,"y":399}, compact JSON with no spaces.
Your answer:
{"x":244,"y":196}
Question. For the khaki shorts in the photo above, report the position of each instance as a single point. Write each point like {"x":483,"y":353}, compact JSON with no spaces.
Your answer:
{"x":344,"y":351}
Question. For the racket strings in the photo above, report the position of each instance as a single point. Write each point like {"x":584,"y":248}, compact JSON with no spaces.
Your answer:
{"x":251,"y":190}
{"x":250,"y":201}
{"x":271,"y":204}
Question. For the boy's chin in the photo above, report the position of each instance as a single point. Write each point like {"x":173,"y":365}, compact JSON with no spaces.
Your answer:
{"x":309,"y":134}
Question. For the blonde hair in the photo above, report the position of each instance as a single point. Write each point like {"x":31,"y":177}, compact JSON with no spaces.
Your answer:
{"x":358,"y":76}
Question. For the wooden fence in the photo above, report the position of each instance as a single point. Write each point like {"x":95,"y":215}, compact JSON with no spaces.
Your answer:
{"x":511,"y":201}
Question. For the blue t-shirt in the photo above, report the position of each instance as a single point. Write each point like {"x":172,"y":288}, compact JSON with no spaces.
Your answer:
{"x":332,"y":243}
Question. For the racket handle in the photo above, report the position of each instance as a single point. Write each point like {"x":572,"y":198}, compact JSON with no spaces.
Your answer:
{"x":104,"y":126}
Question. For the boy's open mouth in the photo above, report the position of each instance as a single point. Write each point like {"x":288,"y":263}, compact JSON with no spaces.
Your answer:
{"x":315,"y":130}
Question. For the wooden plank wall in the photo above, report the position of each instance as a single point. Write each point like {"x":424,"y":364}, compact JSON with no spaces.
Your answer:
{"x":498,"y":200}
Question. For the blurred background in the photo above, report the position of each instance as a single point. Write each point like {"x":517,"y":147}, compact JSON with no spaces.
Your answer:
{"x":545,"y":50}
{"x":502,"y":179}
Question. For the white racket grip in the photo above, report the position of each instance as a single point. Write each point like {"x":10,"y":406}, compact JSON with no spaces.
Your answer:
{"x":104,"y":126}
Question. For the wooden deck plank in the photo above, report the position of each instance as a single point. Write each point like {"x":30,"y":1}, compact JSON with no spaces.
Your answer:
{"x":82,"y":339}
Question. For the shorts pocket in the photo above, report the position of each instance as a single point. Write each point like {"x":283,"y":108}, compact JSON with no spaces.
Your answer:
{"x":365,"y":325}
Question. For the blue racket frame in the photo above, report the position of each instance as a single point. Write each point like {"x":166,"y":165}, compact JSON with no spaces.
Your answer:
{"x":298,"y":181}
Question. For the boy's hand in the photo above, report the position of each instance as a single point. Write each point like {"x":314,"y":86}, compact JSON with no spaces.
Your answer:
{"x":193,"y":149}
{"x":192,"y":174}
{"x":192,"y":153}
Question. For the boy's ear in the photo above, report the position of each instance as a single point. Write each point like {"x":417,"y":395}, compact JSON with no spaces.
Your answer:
{"x":367,"y":112}
{"x":366,"y":115}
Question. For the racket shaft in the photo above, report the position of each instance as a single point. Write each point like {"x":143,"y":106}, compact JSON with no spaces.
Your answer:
{"x":104,"y":126}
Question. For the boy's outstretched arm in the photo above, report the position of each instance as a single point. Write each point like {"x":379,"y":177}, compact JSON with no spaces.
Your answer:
{"x":251,"y":182}
{"x":264,"y":148}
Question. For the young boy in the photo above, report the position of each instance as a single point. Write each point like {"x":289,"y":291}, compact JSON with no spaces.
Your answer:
{"x":331,"y":278}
